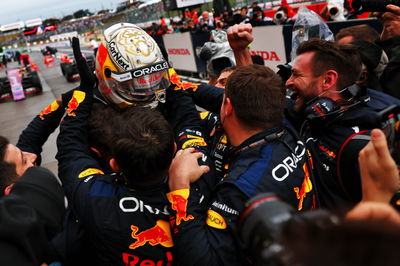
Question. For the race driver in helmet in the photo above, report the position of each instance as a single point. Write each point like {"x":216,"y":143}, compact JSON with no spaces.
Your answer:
{"x":131,"y":73}
{"x":130,"y":68}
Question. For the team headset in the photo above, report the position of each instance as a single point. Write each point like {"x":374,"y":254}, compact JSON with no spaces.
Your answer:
{"x":320,"y":108}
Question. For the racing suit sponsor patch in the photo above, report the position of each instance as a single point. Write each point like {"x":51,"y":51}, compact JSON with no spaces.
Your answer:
{"x":194,"y":142}
{"x":90,"y":171}
{"x":306,"y":187}
{"x":160,"y":234}
{"x":178,"y":200}
{"x":49,"y":109}
{"x":224,"y":208}
{"x":203,"y":115}
{"x":214,"y":219}
{"x":73,"y":104}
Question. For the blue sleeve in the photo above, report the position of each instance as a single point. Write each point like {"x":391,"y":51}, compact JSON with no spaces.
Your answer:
{"x":77,"y":169}
{"x":39,"y":129}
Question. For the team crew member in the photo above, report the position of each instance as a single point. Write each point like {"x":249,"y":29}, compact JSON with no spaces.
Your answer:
{"x":27,"y":152}
{"x":336,"y":112}
{"x":330,"y":110}
{"x":266,"y":157}
{"x":125,"y":216}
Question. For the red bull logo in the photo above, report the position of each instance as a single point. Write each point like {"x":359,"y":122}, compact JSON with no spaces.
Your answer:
{"x":160,"y":234}
{"x":175,"y":79}
{"x":189,"y":85}
{"x":49,"y":109}
{"x":73,"y":104}
{"x":305,"y":188}
{"x":327,"y":151}
{"x":310,"y":159}
{"x":179,"y":204}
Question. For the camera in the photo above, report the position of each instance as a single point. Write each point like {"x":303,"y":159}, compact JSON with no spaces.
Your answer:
{"x":389,"y":121}
{"x":267,"y":222}
{"x":336,"y":10}
{"x":373,"y":5}
{"x":280,"y":15}
{"x":218,"y":53}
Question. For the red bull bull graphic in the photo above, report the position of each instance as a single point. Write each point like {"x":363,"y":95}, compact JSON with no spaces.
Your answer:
{"x":175,"y":79}
{"x":73,"y":104}
{"x":178,"y":200}
{"x":49,"y":109}
{"x":327,"y":151}
{"x":305,"y":188}
{"x":160,"y":234}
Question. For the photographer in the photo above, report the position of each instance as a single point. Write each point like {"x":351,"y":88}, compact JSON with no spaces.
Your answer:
{"x":257,"y":18}
{"x":282,"y":16}
{"x":206,"y":22}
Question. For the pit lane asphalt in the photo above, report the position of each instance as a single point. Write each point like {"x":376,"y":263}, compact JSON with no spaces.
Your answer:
{"x":15,"y":116}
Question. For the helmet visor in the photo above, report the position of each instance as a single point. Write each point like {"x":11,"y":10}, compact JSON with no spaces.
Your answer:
{"x":141,"y":85}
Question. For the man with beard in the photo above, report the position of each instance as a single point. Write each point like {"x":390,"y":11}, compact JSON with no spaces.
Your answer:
{"x":332,"y":114}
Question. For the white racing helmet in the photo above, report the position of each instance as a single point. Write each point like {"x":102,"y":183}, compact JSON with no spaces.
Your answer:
{"x":130,"y":67}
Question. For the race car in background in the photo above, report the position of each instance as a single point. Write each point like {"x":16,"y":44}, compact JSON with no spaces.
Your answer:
{"x":48,"y":50}
{"x":29,"y":78}
{"x":69,"y":68}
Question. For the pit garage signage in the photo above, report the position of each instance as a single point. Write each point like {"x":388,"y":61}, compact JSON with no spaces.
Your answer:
{"x":180,"y":51}
{"x":270,"y":45}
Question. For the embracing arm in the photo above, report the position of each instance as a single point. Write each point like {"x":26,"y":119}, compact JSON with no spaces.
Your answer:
{"x":73,"y":157}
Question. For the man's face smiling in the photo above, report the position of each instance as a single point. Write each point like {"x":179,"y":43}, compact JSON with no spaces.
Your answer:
{"x":302,"y":82}
{"x":22,"y":160}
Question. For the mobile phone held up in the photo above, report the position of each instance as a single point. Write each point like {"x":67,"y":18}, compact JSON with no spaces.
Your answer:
{"x":389,"y":120}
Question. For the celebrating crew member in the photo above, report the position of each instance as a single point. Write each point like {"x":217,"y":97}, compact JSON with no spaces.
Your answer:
{"x":330,"y":110}
{"x":125,"y":215}
{"x":266,"y":157}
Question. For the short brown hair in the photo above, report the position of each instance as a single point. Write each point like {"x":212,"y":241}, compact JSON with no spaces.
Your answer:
{"x":143,"y":146}
{"x":257,"y":94}
{"x":101,"y":128}
{"x":8,"y":172}
{"x":342,"y":58}
{"x":3,"y":147}
{"x":361,"y":32}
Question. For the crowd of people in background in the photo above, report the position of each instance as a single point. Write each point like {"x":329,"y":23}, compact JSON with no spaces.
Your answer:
{"x":191,"y":20}
{"x":204,"y":21}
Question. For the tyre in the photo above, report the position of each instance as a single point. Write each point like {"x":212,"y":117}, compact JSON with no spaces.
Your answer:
{"x":62,"y":65}
{"x":36,"y":81}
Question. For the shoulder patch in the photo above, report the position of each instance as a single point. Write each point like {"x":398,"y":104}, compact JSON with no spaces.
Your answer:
{"x":203,"y":115}
{"x":214,"y":219}
{"x":73,"y":104}
{"x":90,"y":171}
{"x":49,"y":109}
{"x":194,"y":142}
{"x":224,"y":140}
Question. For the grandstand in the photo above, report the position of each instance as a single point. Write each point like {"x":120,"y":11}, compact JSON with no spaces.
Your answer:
{"x":22,"y":34}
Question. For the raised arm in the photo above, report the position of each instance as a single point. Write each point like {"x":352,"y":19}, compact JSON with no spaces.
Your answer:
{"x":240,"y":36}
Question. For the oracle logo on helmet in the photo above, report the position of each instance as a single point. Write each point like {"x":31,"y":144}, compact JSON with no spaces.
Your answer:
{"x":131,"y":47}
